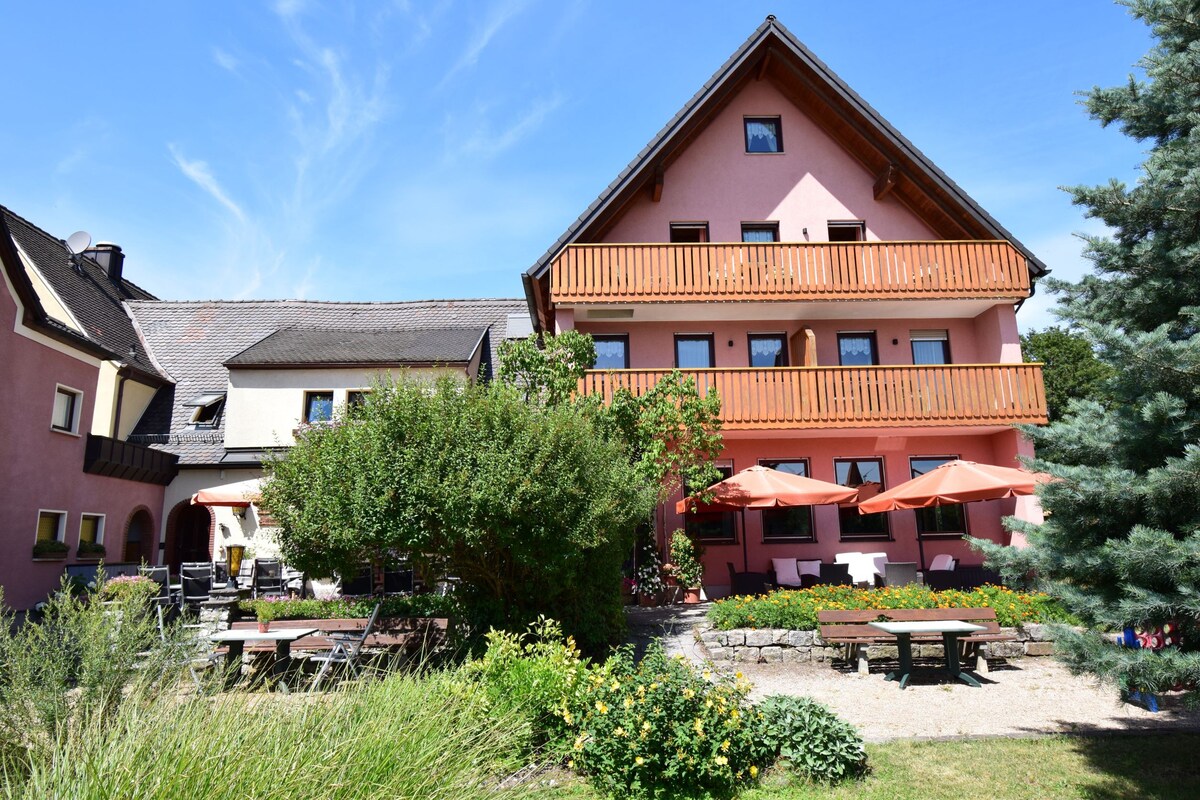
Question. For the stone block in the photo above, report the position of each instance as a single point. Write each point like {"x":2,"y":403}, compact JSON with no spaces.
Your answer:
{"x":734,"y":638}
{"x":800,"y":638}
{"x":718,"y":653}
{"x":760,"y":638}
{"x":883,"y":651}
{"x":927,"y":651}
{"x":1006,"y":649}
{"x":711,"y":638}
{"x":743,"y":655}
{"x":1039,"y":648}
{"x":1035,"y":632}
{"x":792,"y":655}
{"x":826,"y":653}
{"x":772,"y":654}
{"x":779,"y":636}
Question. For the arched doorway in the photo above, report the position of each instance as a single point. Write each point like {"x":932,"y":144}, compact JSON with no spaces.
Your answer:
{"x":189,"y":534}
{"x":140,"y":540}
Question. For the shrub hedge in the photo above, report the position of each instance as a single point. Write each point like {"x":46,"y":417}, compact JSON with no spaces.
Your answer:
{"x":797,"y":609}
{"x":417,"y":605}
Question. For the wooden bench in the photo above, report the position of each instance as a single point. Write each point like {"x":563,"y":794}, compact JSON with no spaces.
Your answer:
{"x":390,"y":632}
{"x":849,"y":627}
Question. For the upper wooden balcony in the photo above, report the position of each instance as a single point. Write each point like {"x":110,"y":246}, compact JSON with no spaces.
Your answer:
{"x":856,"y":397}
{"x":682,"y":273}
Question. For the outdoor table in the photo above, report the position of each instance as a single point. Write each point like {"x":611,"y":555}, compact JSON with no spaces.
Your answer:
{"x":950,"y":630}
{"x":236,"y":640}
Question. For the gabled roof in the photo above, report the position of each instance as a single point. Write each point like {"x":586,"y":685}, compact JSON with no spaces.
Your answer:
{"x":329,"y":347}
{"x":91,"y":297}
{"x":192,"y":341}
{"x":772,"y":52}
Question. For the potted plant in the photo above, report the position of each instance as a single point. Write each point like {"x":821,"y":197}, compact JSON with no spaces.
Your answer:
{"x":90,"y":551}
{"x":50,"y":550}
{"x":685,"y":560}
{"x":648,"y":579}
{"x":264,"y":612}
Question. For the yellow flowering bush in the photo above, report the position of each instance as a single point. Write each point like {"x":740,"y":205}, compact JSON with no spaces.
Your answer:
{"x":797,"y":610}
{"x":658,"y":729}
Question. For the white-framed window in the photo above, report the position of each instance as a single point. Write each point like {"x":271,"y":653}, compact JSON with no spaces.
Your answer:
{"x":763,"y":135}
{"x":91,"y":529}
{"x":68,"y":403}
{"x":51,"y":526}
{"x":208,"y":407}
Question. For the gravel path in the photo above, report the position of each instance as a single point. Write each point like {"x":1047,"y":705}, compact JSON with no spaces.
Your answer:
{"x":1022,"y":697}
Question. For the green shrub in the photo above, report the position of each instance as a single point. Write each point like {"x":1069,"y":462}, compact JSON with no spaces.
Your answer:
{"x":660,"y":730}
{"x":538,"y":676}
{"x":685,"y":559}
{"x":816,"y":743}
{"x":797,"y":610}
{"x":49,"y":548}
{"x":133,"y":590}
{"x":417,"y":605}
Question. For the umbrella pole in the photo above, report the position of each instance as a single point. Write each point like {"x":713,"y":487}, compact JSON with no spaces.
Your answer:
{"x":921,"y":549}
{"x":745,"y":558}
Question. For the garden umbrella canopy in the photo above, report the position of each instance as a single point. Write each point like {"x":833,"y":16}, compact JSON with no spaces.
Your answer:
{"x":225,"y":496}
{"x":763,"y":487}
{"x":955,"y":482}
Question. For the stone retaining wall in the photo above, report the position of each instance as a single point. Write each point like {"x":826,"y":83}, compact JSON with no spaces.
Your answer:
{"x":768,"y":645}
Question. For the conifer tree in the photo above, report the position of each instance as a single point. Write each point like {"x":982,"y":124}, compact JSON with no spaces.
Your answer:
{"x":1121,"y":542}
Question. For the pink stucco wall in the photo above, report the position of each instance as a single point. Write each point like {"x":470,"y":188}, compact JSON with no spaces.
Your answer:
{"x":651,"y":344}
{"x":43,"y":469}
{"x":983,"y":519}
{"x":814,"y":180}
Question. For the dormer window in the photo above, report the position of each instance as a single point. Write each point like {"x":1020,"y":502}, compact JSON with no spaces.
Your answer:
{"x":763,"y":135}
{"x":208,"y":407}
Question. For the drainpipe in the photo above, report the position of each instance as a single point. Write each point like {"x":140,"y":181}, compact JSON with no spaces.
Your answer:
{"x":122,"y":376}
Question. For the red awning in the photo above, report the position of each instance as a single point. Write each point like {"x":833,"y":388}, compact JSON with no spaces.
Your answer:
{"x":763,"y":487}
{"x":237,"y":497}
{"x":955,"y":482}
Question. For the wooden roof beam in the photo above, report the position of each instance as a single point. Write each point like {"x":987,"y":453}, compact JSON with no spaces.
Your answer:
{"x":886,"y":181}
{"x":763,"y":65}
{"x":656,"y":187}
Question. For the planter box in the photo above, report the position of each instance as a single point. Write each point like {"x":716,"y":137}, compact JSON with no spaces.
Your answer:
{"x":390,"y":632}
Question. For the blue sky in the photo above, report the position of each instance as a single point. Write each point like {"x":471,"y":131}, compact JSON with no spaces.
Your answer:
{"x":435,"y":148}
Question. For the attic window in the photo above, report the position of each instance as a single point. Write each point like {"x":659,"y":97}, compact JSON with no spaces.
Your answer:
{"x":208,"y":409}
{"x":763,"y":135}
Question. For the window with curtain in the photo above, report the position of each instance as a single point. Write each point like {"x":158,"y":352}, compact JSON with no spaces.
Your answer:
{"x":612,"y":352}
{"x":768,"y":350}
{"x":50,"y":526}
{"x":930,"y":347}
{"x":857,"y":349}
{"x":694,"y":352}
{"x":711,"y":526}
{"x":938,"y":521}
{"x":760,"y":232}
{"x":793,"y":524}
{"x":763,"y":135}
{"x":866,"y":475}
{"x":91,"y":528}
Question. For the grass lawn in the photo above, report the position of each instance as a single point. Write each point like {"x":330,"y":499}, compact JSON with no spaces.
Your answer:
{"x":1160,"y":767}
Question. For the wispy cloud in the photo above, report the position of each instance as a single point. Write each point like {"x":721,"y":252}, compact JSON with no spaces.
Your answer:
{"x":199,"y":173}
{"x":498,"y":16}
{"x":487,"y":143}
{"x":225,"y":60}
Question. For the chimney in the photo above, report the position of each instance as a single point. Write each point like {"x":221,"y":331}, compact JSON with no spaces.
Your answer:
{"x":109,"y":256}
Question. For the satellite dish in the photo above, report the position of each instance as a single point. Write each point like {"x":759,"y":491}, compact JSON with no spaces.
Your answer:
{"x":78,"y":241}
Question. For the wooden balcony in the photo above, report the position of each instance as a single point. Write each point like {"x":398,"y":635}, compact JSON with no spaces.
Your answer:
{"x":681,"y":273}
{"x":856,"y":397}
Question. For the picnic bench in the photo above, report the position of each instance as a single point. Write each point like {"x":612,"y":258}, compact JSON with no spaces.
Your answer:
{"x":851,"y":628}
{"x":389,"y":632}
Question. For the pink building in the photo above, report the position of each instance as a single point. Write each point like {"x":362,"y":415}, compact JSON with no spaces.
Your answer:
{"x":852,"y":306}
{"x":77,"y":379}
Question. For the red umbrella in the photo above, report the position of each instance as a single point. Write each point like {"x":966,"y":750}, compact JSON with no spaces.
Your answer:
{"x":951,"y":483}
{"x":763,"y":487}
{"x":955,"y":482}
{"x":225,"y":496}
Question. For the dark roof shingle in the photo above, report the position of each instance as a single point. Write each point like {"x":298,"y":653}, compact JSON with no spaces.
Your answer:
{"x":341,"y":346}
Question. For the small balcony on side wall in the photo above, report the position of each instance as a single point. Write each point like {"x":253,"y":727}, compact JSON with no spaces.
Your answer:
{"x":796,"y":272}
{"x":128,"y":461}
{"x":856,"y":397}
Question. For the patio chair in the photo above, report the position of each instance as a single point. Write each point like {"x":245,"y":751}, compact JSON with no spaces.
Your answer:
{"x":347,"y":646}
{"x":196,"y":579}
{"x":267,"y":578}
{"x":941,"y":562}
{"x":834,"y":575}
{"x":747,"y":582}
{"x":182,"y":653}
{"x":168,"y":594}
{"x":899,"y":573}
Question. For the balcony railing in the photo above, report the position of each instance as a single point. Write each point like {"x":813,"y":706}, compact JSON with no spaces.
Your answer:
{"x":128,"y":461}
{"x":856,"y":397}
{"x":680,"y":273}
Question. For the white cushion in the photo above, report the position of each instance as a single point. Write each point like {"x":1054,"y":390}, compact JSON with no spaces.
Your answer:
{"x":785,"y":571}
{"x":809,"y":567}
{"x":846,"y":558}
{"x":942,"y":561}
{"x":880,"y":564}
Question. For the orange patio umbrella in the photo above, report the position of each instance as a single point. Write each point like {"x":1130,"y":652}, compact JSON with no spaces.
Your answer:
{"x":763,"y":487}
{"x":955,"y":482}
{"x":224,"y":496}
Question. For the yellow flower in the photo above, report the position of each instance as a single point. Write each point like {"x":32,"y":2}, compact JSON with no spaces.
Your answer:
{"x":639,"y":761}
{"x":628,"y":702}
{"x":601,"y":707}
{"x":698,"y":726}
{"x":753,"y":771}
{"x":619,"y":732}
{"x":725,"y":746}
{"x":720,"y":761}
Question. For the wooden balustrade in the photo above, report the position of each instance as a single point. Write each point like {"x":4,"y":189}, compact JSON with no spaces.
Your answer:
{"x":631,"y":273}
{"x":856,"y":397}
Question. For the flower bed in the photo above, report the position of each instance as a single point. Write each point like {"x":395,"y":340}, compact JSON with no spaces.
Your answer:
{"x":797,"y":609}
{"x":418,"y":605}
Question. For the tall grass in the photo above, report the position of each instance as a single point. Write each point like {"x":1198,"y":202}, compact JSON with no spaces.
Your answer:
{"x":404,"y":737}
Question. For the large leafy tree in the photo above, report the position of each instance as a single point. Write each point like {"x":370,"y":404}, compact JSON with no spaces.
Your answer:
{"x":1121,"y":544}
{"x":1072,"y":371}
{"x":531,"y":505}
